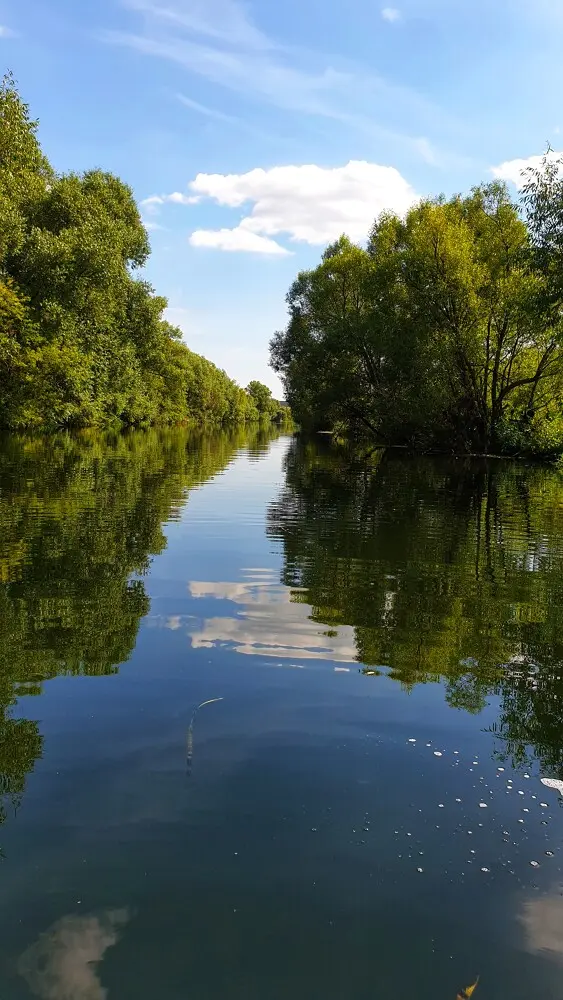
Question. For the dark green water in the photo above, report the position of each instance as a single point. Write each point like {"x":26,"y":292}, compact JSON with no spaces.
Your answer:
{"x":361,"y":817}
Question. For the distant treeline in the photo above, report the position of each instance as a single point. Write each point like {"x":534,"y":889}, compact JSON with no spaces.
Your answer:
{"x":82,"y":340}
{"x":443,"y":332}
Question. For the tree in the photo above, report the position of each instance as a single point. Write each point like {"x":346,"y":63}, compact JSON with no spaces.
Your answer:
{"x":441,"y":333}
{"x":83,"y":339}
{"x":262,"y":398}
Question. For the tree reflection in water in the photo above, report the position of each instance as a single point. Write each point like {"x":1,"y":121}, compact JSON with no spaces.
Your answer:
{"x":447,"y":570}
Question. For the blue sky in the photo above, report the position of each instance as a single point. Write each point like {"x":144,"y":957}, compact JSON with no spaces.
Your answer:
{"x":253,"y":132}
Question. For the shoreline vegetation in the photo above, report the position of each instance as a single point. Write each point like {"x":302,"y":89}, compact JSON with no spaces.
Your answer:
{"x":83,"y":342}
{"x":444,"y":333}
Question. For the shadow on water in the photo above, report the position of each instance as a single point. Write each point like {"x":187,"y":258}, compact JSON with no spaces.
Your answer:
{"x":447,"y":570}
{"x":80,"y":517}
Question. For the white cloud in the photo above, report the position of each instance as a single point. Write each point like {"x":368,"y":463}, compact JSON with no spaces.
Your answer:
{"x":308,"y":203}
{"x":391,"y":14}
{"x":153,"y":204}
{"x":177,"y":198}
{"x":239,"y":239}
{"x":512,"y":170}
{"x":6,"y":32}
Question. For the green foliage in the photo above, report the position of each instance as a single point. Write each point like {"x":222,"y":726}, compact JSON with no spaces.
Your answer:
{"x":82,"y":338}
{"x":262,"y":398}
{"x":444,"y":332}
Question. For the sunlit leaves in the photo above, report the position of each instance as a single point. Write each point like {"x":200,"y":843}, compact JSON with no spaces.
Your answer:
{"x":82,"y":339}
{"x":443,"y":333}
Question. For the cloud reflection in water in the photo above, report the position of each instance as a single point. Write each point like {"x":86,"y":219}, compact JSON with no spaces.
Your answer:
{"x":62,"y":963}
{"x":272,"y":622}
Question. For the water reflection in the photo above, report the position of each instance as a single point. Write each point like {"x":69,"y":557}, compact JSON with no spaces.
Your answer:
{"x":444,"y":571}
{"x":542,"y":920}
{"x":270,"y":620}
{"x":327,"y":818}
{"x":63,"y":963}
{"x":80,"y":518}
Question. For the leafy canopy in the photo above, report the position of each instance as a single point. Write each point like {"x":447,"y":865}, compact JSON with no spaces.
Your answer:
{"x":444,"y":331}
{"x":83,"y":340}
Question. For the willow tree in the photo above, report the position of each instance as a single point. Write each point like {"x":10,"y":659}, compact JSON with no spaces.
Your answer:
{"x":443,"y":332}
{"x":473,"y":290}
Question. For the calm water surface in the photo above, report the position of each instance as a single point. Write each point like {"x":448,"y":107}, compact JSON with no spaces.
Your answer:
{"x":361,"y":815}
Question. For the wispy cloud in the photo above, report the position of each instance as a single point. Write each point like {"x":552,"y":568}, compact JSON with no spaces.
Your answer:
{"x":220,"y":116}
{"x":391,"y":14}
{"x":6,"y":32}
{"x":217,"y":40}
{"x":222,"y":20}
{"x":203,"y":109}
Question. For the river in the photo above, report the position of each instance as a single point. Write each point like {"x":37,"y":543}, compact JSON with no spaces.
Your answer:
{"x":274,"y":722}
